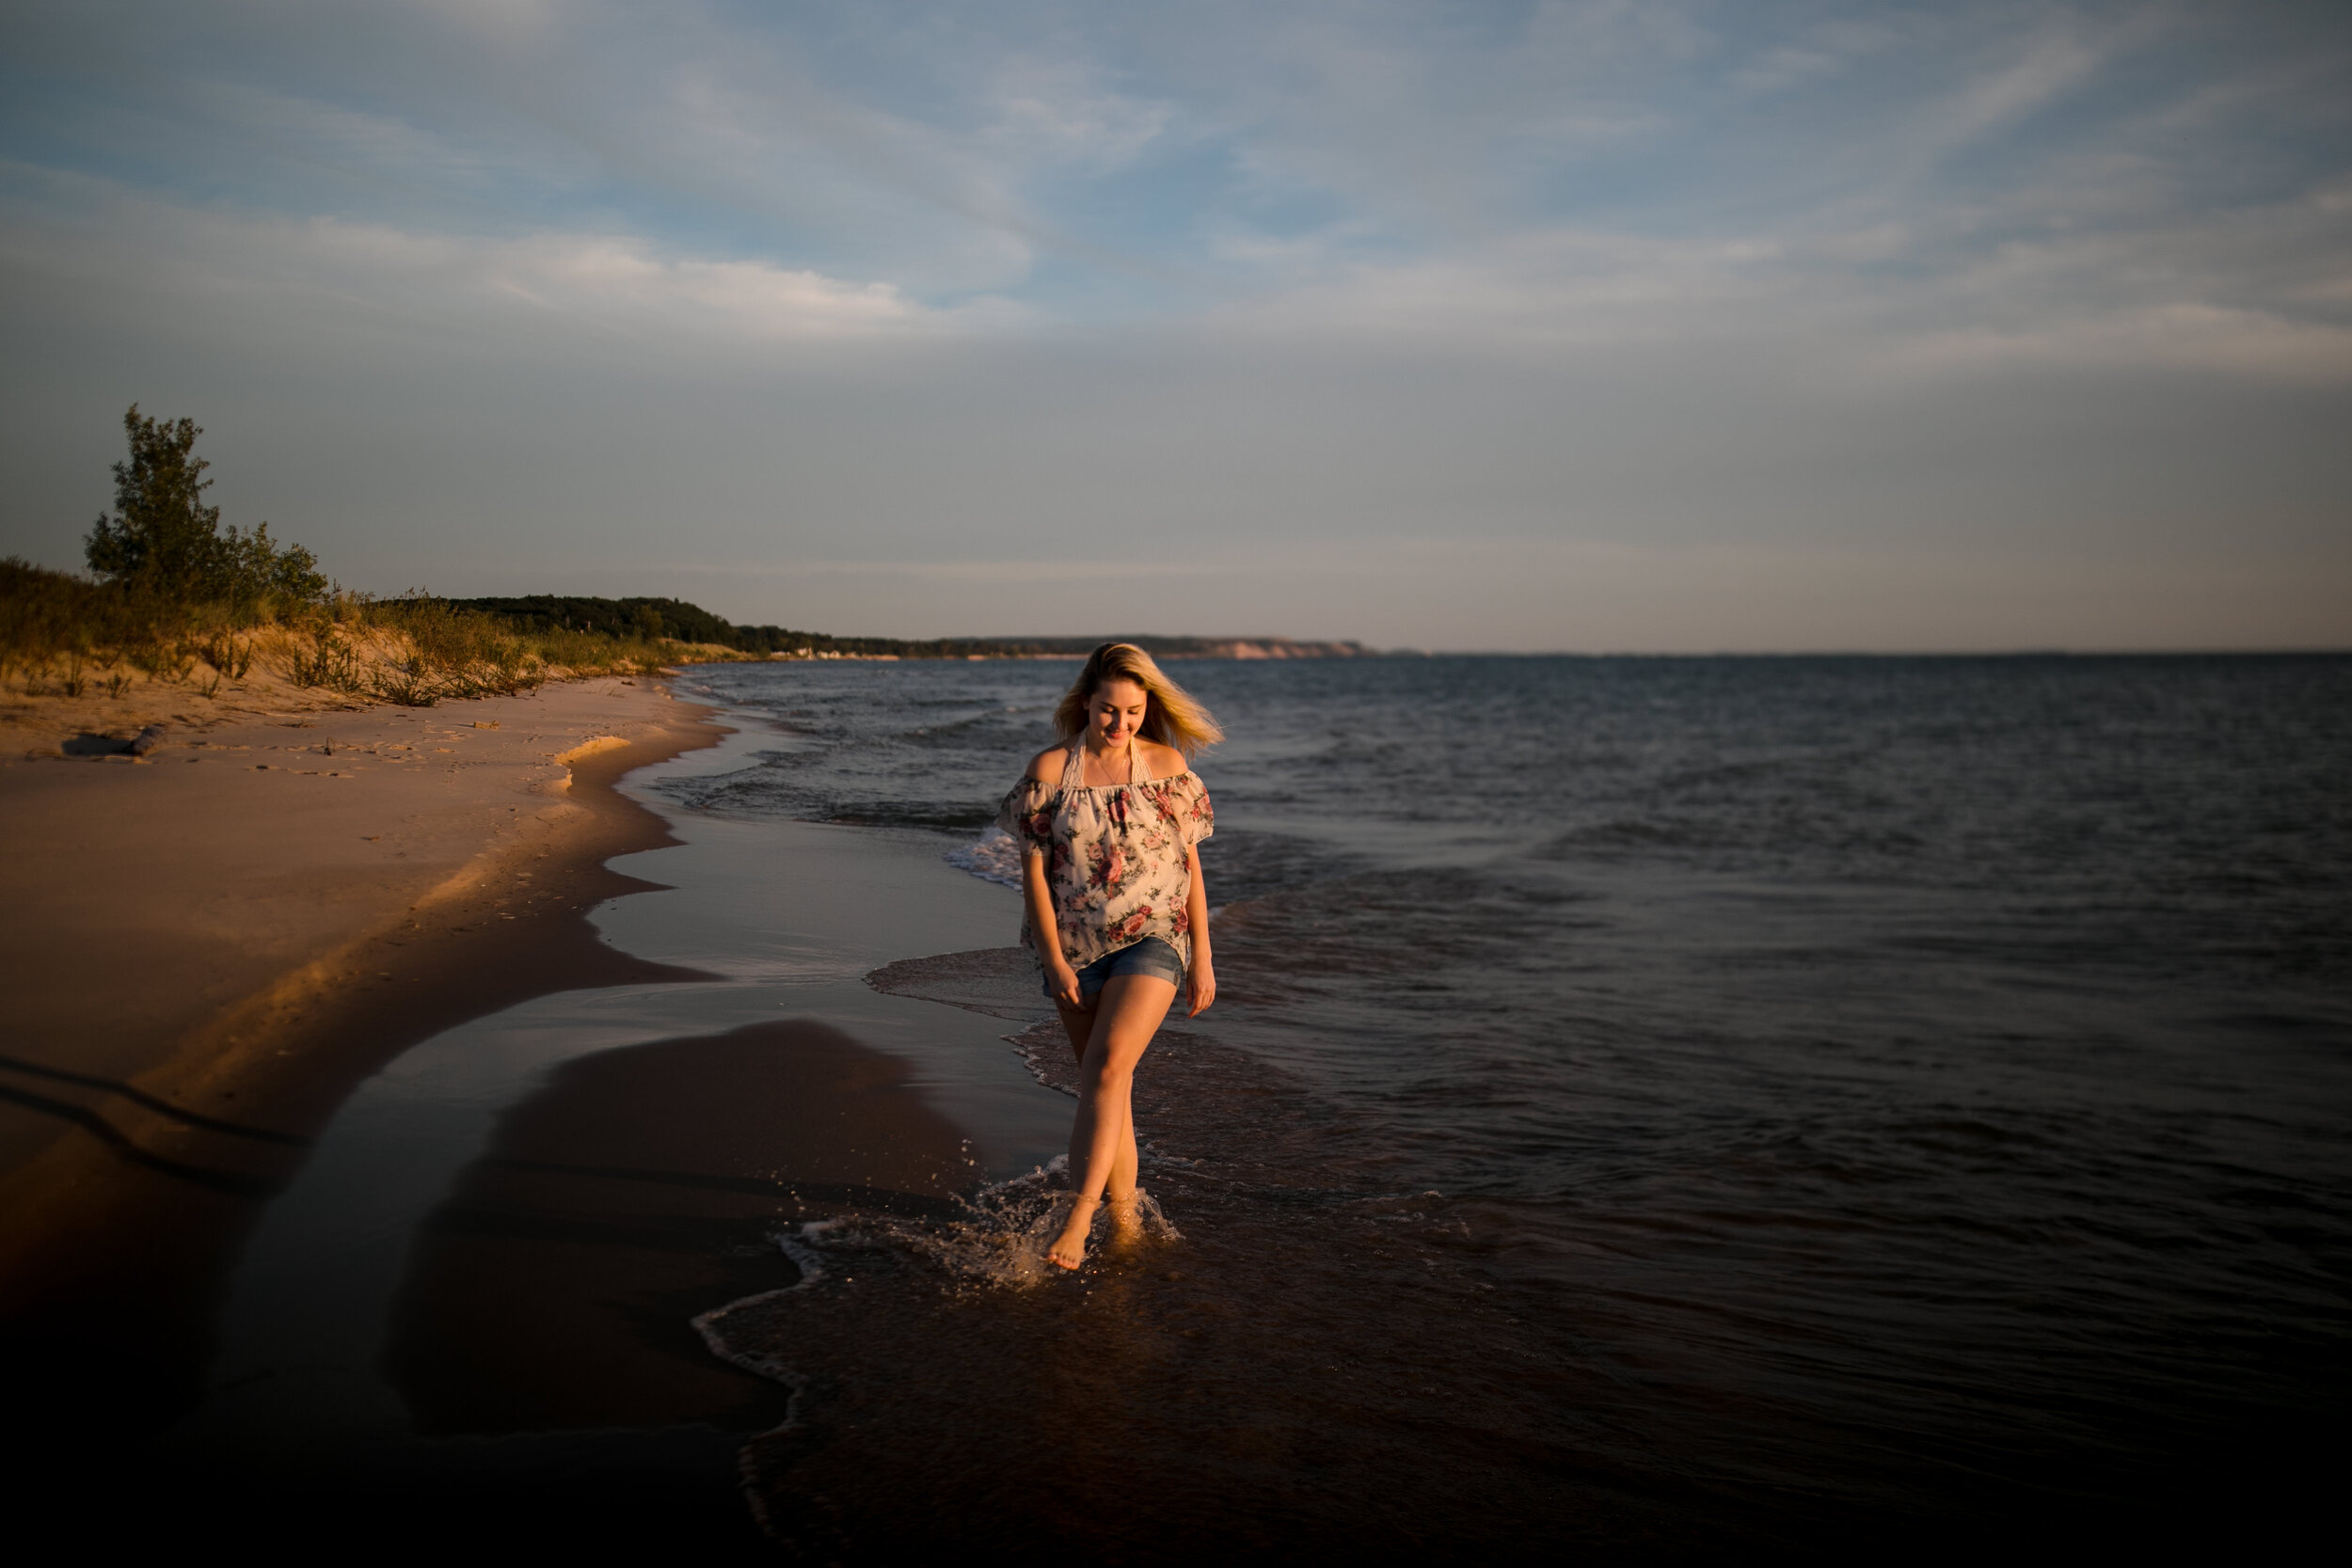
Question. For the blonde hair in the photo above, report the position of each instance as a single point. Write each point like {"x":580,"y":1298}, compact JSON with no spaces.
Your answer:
{"x":1170,"y":716}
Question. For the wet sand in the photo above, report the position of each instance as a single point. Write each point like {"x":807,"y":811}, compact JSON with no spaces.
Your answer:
{"x":630,"y":1193}
{"x":211,"y":945}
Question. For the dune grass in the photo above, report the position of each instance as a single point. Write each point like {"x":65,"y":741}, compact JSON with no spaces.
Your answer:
{"x":66,"y":635}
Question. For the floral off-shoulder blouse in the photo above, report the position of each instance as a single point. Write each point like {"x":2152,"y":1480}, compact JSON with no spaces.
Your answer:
{"x":1114,"y":857}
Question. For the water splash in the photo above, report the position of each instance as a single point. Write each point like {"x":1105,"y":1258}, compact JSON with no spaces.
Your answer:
{"x":998,"y":1240}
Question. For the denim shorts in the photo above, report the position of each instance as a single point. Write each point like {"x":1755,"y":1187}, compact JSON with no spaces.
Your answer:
{"x":1150,"y":956}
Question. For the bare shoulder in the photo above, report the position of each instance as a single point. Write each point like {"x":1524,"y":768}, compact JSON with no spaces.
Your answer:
{"x":1164,"y":761}
{"x":1047,"y":767}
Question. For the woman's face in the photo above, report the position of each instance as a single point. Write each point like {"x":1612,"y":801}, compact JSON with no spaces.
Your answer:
{"x":1116,"y":712}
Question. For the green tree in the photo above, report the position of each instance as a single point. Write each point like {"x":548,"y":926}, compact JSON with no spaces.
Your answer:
{"x":162,"y":534}
{"x":262,"y":569}
{"x":163,"y":539}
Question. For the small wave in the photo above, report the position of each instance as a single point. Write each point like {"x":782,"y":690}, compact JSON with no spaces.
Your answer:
{"x":1044,"y":1050}
{"x":996,"y":858}
{"x":802,"y":1246}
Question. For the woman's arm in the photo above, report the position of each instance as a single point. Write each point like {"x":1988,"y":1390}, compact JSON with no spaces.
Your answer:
{"x":1200,"y":979}
{"x":1044,"y":931}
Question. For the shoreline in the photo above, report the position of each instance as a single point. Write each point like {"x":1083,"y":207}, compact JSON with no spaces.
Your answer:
{"x":213,"y":957}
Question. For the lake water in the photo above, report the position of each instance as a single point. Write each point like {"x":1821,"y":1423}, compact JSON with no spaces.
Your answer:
{"x":1656,"y":1103}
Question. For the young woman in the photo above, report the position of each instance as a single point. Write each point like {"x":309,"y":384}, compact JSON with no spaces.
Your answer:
{"x":1110,"y":822}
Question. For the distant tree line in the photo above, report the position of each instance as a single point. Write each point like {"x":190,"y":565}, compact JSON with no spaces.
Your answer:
{"x":650,"y":619}
{"x":647,"y":619}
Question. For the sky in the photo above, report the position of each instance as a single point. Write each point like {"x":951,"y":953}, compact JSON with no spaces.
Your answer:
{"x":1589,"y":326}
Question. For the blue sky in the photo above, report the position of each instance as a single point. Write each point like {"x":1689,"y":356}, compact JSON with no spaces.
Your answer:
{"x":1577,"y":325}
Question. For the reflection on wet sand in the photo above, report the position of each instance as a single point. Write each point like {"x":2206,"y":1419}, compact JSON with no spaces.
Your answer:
{"x":552,"y":1289}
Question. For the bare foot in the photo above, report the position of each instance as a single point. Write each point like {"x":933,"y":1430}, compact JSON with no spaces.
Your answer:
{"x":1071,"y":1249}
{"x":1126,"y":1219}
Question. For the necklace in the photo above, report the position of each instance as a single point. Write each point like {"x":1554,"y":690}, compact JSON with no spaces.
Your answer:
{"x":1102,"y":764}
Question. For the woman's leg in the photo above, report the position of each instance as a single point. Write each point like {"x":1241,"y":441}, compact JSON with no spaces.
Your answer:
{"x":1079,"y":1025}
{"x":1103,"y":1140}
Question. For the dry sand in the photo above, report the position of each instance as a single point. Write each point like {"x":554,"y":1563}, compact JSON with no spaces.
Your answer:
{"x":209,"y":945}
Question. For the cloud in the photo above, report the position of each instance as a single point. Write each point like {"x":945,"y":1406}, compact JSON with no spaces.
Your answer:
{"x":1058,"y":111}
{"x":507,"y":23}
{"x":2048,"y":68}
{"x":1816,"y":300}
{"x":2185,"y":338}
{"x":604,"y":281}
{"x":582,"y":285}
{"x":1538,"y":292}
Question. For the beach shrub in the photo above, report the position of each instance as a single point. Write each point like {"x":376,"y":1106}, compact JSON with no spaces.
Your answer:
{"x":163,"y":542}
{"x":330,"y":661}
{"x":456,"y":652}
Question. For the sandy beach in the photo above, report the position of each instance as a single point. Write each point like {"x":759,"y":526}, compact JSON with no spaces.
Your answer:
{"x":211,"y":943}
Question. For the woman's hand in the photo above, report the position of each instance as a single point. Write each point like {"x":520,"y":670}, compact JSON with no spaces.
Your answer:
{"x":1044,"y":933}
{"x":1066,"y":984}
{"x":1200,"y":977}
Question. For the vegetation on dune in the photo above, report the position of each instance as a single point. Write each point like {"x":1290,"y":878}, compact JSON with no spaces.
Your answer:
{"x":67,"y":635}
{"x":174,"y":598}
